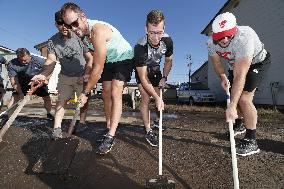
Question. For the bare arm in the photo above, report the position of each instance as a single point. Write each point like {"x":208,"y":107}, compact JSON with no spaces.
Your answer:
{"x":142,"y":73}
{"x":89,"y":64}
{"x":168,"y":66}
{"x":218,"y":67}
{"x":15,"y":84}
{"x":49,"y":65}
{"x":101,"y":34}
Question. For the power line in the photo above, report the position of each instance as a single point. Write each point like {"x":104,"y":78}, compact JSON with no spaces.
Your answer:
{"x":14,"y":35}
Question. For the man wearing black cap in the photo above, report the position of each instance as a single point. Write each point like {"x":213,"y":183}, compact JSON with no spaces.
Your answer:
{"x":76,"y":64}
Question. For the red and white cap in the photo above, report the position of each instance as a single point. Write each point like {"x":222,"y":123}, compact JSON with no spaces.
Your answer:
{"x":224,"y":25}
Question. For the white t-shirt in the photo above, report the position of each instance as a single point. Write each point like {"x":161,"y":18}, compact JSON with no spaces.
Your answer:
{"x":245,"y":44}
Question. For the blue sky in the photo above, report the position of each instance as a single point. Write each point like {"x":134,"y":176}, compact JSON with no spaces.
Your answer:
{"x":27,"y":23}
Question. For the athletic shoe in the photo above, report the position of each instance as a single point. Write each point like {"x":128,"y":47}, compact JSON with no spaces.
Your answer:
{"x":103,"y":135}
{"x":57,"y":133}
{"x":106,"y":145}
{"x":49,"y":116}
{"x":80,"y":127}
{"x":152,"y":138}
{"x":156,"y":126}
{"x":247,"y":147}
{"x":239,"y":128}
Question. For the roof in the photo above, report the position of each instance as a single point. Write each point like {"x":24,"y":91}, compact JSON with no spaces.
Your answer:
{"x":202,"y":66}
{"x":6,"y":49}
{"x":228,"y":6}
{"x":40,"y":45}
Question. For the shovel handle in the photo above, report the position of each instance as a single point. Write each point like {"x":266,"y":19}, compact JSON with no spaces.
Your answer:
{"x":74,"y":119}
{"x":233,"y":146}
{"x":161,"y":136}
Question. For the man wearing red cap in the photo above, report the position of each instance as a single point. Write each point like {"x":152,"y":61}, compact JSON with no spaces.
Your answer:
{"x":248,"y":60}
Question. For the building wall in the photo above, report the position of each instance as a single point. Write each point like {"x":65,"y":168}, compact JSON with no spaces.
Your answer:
{"x":267,"y":19}
{"x":201,"y":75}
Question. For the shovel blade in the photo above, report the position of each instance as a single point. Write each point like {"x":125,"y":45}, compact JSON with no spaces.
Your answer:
{"x":160,"y":183}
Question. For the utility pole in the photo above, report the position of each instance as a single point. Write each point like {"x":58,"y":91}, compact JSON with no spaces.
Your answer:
{"x":189,"y":63}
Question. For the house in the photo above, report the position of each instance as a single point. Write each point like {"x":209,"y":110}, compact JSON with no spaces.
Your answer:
{"x":52,"y":84}
{"x":9,"y":54}
{"x":201,"y":74}
{"x":267,"y":19}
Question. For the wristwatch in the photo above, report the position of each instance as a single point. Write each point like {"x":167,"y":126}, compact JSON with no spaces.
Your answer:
{"x":87,"y":94}
{"x":165,"y":78}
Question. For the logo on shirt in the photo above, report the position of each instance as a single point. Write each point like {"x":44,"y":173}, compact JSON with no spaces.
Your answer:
{"x":255,"y":70}
{"x":222,"y":24}
{"x":224,"y":54}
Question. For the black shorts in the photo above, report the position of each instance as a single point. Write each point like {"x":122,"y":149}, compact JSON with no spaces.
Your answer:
{"x":42,"y":91}
{"x":154,"y":75}
{"x":255,"y":74}
{"x":121,"y":71}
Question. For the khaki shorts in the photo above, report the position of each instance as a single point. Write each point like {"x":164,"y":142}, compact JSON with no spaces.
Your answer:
{"x":67,"y":86}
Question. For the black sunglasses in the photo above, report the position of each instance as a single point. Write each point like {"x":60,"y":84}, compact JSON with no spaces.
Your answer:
{"x":74,"y":24}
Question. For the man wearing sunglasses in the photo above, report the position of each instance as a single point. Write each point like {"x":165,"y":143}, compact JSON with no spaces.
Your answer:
{"x":248,"y":61}
{"x":113,"y":64}
{"x":148,"y":54}
{"x":76,"y":64}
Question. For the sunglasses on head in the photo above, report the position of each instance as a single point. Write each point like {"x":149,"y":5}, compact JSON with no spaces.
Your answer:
{"x":74,"y":24}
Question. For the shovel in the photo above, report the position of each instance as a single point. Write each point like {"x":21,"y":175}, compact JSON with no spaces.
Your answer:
{"x":21,"y":104}
{"x":74,"y":119}
{"x":161,"y":182}
{"x":233,"y":147}
{"x":7,"y":110}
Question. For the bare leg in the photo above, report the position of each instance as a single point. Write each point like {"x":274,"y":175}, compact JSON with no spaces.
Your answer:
{"x":144,"y":108}
{"x":59,"y":113}
{"x":248,"y":109}
{"x":106,"y":93}
{"x":116,"y":107}
{"x":47,"y":103}
{"x":13,"y":99}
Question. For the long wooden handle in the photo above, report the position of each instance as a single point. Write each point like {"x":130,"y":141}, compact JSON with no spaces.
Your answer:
{"x":13,"y":116}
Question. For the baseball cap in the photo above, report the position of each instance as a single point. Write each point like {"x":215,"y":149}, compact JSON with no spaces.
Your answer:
{"x":224,"y":25}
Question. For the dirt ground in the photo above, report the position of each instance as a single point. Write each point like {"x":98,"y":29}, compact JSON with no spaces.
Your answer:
{"x":196,"y":152}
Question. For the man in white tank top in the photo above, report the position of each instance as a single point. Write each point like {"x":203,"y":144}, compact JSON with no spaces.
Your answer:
{"x":113,"y":65}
